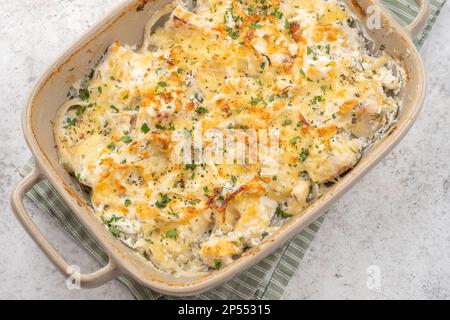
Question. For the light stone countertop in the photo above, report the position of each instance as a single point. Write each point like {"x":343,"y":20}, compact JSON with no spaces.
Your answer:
{"x":396,"y":221}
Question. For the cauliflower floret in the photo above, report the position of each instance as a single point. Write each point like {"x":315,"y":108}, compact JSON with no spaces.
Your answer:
{"x":388,"y":79}
{"x":301,"y":192}
{"x":328,"y":160}
{"x":220,"y":250}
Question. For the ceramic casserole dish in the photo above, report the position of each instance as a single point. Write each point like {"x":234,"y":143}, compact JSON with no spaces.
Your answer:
{"x":127,"y":24}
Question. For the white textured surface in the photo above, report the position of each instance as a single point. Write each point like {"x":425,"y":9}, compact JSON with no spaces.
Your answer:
{"x":397,"y":218}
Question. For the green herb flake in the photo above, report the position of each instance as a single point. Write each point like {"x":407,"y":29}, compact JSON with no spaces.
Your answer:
{"x":190,"y":167}
{"x":201,"y":110}
{"x":304,"y":155}
{"x":70,"y":122}
{"x":84,"y":94}
{"x":172,"y":234}
{"x":111,"y":146}
{"x":145,"y":129}
{"x":255,"y":101}
{"x":255,"y":25}
{"x":80,"y":110}
{"x":126,"y":139}
{"x":231,"y":33}
{"x":318,"y":99}
{"x":294,"y":140}
{"x":218,"y":264}
{"x":277,"y":14}
{"x":194,"y":202}
{"x":164,"y":128}
{"x":283,"y":214}
{"x":163,"y":202}
{"x":114,"y":230}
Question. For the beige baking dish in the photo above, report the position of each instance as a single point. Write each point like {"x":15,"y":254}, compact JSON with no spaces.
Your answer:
{"x":126,"y":24}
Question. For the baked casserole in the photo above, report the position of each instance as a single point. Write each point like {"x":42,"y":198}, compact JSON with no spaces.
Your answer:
{"x":303,"y":70}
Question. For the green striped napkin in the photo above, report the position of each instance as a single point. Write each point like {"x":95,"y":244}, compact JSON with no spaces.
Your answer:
{"x":268,"y":279}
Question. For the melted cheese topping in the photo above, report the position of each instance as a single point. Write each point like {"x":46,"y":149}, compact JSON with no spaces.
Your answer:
{"x":300,"y":67}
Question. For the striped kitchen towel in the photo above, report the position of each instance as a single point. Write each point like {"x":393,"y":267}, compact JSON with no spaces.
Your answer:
{"x":268,"y":279}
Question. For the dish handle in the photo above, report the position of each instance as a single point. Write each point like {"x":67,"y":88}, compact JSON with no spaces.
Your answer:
{"x":91,"y":280}
{"x":420,"y":22}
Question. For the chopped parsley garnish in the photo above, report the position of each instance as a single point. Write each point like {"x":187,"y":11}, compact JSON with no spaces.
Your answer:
{"x":84,"y":94}
{"x":116,"y":110}
{"x":218,"y":264}
{"x":114,"y":230}
{"x":325,"y":88}
{"x":164,"y":128}
{"x":283,"y":214}
{"x":145,"y":129}
{"x":163,"y":202}
{"x":304,"y":155}
{"x":81,"y":110}
{"x":70,"y":122}
{"x":172,"y":234}
{"x":201,"y":110}
{"x":277,"y":14}
{"x":194,"y":202}
{"x":126,"y":139}
{"x":255,"y":101}
{"x":190,"y":167}
{"x":294,"y":140}
{"x":287,"y":24}
{"x":162,"y":84}
{"x":232,"y":33}
{"x":234,"y":180}
{"x":112,"y":219}
{"x":111,"y":146}
{"x":318,"y":99}
{"x":127,"y":202}
{"x":255,"y":25}
{"x":287,"y":122}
